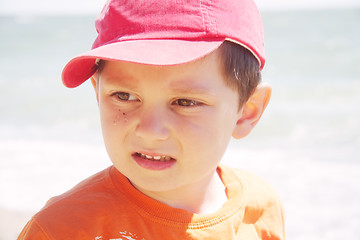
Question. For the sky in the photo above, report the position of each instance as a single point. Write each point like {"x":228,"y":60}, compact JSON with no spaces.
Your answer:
{"x":94,"y":6}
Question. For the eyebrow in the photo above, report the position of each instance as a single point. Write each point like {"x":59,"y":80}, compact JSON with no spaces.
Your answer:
{"x":185,"y":87}
{"x":123,"y":81}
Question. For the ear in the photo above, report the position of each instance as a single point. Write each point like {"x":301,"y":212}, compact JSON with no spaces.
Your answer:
{"x":95,"y":83}
{"x":252,"y":111}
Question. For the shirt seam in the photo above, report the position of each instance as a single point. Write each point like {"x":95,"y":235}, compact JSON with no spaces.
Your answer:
{"x":41,"y":228}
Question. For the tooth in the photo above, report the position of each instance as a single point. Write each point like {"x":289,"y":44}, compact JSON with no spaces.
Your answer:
{"x":157,"y":158}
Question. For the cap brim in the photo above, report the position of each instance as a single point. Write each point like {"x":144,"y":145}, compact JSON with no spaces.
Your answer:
{"x":153,"y":52}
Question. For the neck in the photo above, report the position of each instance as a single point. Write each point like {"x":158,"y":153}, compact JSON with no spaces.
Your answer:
{"x":205,"y":197}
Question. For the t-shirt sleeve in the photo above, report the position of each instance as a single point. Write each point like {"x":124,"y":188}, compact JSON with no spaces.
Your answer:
{"x":264,"y":209}
{"x":271,"y":223}
{"x":32,"y":231}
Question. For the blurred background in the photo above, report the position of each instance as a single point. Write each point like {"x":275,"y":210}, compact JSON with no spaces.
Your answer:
{"x":306,"y":145}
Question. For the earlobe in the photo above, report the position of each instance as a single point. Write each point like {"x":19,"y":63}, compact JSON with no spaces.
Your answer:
{"x":252,"y":111}
{"x":94,"y":82}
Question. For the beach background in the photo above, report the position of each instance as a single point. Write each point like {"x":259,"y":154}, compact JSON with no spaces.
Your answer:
{"x":307,"y":144}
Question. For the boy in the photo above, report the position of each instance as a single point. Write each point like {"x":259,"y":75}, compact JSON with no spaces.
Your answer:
{"x":174,"y":80}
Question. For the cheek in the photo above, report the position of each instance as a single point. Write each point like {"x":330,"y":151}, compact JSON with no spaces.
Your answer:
{"x":207,"y":135}
{"x":112,"y":116}
{"x":113,"y":122}
{"x":120,"y":117}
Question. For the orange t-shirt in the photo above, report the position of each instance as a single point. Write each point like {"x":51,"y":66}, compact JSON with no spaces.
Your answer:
{"x":107,"y":206}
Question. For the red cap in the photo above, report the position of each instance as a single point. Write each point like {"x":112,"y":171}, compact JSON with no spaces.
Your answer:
{"x":167,"y":32}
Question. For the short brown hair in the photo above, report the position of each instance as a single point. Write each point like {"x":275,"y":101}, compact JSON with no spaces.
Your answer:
{"x":242,"y":69}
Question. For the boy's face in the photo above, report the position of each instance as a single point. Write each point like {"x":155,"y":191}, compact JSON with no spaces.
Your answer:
{"x":181,"y":116}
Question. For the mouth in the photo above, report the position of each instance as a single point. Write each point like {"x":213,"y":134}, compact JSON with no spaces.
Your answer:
{"x":153,"y":161}
{"x":161,"y":158}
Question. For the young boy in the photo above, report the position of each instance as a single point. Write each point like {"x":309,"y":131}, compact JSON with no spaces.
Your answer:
{"x":174,"y":80}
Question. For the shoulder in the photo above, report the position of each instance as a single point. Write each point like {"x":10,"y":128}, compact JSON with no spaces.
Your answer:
{"x":95,"y":184}
{"x":262,"y":205}
{"x":79,"y":207}
{"x":62,"y":213}
{"x":254,"y":186}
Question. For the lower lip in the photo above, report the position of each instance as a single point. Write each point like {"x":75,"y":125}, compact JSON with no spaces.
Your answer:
{"x":153,"y":165}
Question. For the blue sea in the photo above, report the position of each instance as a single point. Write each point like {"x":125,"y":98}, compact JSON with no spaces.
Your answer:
{"x":307,"y":144}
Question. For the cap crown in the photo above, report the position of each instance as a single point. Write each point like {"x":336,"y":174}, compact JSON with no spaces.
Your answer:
{"x":167,"y":32}
{"x":192,"y":20}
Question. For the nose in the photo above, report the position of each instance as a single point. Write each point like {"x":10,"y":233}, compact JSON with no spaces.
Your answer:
{"x":153,"y":125}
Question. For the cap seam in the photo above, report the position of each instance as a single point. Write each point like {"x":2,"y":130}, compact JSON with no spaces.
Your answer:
{"x":210,"y":26}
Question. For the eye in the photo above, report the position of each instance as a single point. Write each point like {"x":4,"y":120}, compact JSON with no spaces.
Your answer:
{"x":186,"y":102}
{"x":124,"y":96}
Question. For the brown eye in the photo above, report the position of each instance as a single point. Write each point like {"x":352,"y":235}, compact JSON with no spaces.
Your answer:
{"x":123,"y":96}
{"x":185,"y":102}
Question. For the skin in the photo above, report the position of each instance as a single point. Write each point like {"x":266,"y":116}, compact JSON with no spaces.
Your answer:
{"x":185,"y":112}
